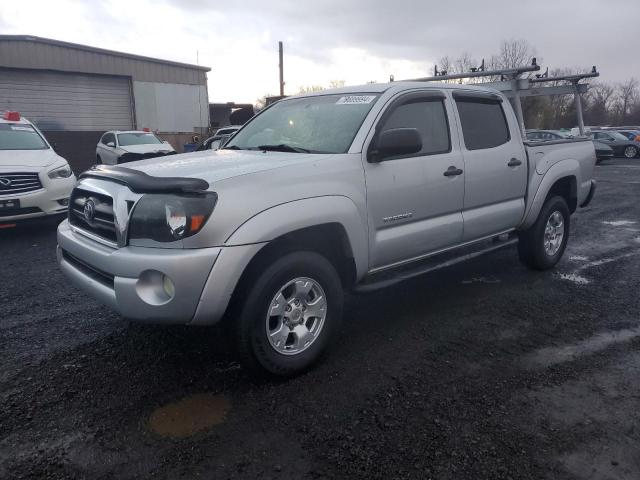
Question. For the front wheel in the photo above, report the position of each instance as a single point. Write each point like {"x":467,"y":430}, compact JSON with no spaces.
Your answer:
{"x":630,"y":151}
{"x":290,"y":312}
{"x":542,"y":245}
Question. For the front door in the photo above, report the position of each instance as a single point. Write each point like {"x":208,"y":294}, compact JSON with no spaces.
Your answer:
{"x":413,"y":207}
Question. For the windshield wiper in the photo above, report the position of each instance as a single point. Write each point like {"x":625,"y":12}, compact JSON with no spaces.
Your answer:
{"x":232,"y":147}
{"x":282,"y":147}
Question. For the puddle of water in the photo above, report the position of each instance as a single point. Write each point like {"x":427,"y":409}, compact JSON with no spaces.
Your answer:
{"x":548,"y":356}
{"x":572,"y":277}
{"x":190,"y":415}
{"x":619,"y":223}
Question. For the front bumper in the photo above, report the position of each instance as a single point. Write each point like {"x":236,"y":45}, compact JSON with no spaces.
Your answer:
{"x":130,"y":279}
{"x":41,"y":203}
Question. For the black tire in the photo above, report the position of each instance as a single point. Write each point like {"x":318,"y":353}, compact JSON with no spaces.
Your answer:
{"x":531,"y":245}
{"x":630,"y":151}
{"x":98,"y":160}
{"x":249,"y":324}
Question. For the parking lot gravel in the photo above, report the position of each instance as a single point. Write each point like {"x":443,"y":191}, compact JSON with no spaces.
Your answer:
{"x":486,"y":370}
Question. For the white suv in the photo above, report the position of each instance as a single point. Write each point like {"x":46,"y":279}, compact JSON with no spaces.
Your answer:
{"x":34,"y":180}
{"x":120,"y":147}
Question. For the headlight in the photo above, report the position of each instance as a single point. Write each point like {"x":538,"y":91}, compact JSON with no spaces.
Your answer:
{"x":167,"y":218}
{"x":61,"y":172}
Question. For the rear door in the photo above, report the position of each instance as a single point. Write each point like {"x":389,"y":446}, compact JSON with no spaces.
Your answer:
{"x":495,"y":164}
{"x":413,"y":207}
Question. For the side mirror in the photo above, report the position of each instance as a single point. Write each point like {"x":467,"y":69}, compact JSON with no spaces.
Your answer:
{"x":111,"y":144}
{"x":166,"y":142}
{"x":395,"y":142}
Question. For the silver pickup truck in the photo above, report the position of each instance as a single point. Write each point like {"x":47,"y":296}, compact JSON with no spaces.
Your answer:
{"x":342,"y":190}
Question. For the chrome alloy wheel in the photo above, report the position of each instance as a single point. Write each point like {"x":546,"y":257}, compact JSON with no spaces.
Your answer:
{"x":553,"y":233}
{"x":630,"y":151}
{"x":296,"y":316}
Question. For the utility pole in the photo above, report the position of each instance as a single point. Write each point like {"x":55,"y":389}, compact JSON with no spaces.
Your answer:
{"x":281,"y":67}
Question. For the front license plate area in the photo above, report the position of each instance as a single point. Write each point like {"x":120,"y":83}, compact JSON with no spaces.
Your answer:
{"x":9,"y":205}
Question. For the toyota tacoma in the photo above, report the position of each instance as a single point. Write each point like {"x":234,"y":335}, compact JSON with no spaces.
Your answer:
{"x":351,"y":189}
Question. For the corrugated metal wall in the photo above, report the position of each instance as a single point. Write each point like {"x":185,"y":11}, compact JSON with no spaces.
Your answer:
{"x":68,"y":101}
{"x":32,"y":52}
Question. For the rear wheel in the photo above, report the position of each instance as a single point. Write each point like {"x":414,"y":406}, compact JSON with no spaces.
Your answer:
{"x":630,"y":151}
{"x":543,"y":244}
{"x":289,"y":314}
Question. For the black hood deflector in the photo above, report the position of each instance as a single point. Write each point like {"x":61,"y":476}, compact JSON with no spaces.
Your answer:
{"x":140,"y":182}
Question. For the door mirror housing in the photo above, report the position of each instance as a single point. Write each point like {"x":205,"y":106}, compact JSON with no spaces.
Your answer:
{"x":111,"y":144}
{"x":394,"y":143}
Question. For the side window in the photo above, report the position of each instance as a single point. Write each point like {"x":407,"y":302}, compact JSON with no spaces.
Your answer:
{"x":429,"y":117}
{"x":483,"y":123}
{"x":108,"y":137}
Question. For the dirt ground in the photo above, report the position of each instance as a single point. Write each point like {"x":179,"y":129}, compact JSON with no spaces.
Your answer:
{"x":487,"y":370}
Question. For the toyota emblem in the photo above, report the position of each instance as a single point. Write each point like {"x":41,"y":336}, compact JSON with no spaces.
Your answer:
{"x":89,"y":210}
{"x":5,"y":182}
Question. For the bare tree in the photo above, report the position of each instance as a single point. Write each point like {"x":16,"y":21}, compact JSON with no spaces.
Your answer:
{"x":310,"y":88}
{"x":262,"y":102}
{"x":627,"y":93}
{"x":514,"y":53}
{"x":336,"y":83}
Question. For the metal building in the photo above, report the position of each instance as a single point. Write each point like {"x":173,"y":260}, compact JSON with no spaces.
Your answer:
{"x":75,"y":92}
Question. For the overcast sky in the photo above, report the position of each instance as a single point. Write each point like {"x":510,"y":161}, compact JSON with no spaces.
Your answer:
{"x":352,"y":40}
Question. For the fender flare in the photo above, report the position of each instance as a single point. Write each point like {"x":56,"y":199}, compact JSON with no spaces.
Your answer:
{"x":565,"y":168}
{"x":309,"y":212}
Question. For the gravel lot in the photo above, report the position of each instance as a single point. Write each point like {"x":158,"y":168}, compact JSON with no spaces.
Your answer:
{"x":487,"y":370}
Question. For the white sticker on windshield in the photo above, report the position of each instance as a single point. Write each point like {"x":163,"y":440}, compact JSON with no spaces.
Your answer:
{"x":355,"y":100}
{"x":18,"y":128}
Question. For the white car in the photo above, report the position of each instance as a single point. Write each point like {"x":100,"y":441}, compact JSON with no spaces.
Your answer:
{"x":34,"y":180}
{"x":127,"y":146}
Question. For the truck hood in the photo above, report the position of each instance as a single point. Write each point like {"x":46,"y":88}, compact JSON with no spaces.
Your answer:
{"x":28,"y":158}
{"x":158,"y":147}
{"x":221,"y":164}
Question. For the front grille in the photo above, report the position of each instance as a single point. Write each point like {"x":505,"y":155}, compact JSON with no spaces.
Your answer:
{"x":103,"y":222}
{"x":19,"y":182}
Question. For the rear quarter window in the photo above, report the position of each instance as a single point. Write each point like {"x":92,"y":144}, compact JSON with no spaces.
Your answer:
{"x":484,"y":124}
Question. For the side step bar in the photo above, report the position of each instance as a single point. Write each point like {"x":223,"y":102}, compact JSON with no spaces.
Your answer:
{"x":385,"y":279}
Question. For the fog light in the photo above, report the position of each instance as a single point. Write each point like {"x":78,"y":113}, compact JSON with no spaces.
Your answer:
{"x":64,"y":202}
{"x":155,"y":288}
{"x":168,"y":286}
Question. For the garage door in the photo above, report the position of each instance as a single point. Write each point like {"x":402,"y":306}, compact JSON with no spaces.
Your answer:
{"x":68,"y":101}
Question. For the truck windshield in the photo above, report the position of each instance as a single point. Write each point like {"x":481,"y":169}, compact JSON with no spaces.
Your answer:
{"x":134,"y":138}
{"x":317,"y":124}
{"x":20,"y":137}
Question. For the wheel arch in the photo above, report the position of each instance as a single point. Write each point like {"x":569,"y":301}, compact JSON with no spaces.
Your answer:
{"x":324,"y":224}
{"x":562,"y":180}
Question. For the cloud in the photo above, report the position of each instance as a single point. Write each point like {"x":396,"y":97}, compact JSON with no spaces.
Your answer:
{"x":356,"y":41}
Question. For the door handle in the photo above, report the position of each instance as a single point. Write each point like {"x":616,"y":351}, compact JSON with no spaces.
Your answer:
{"x":514,"y":162}
{"x":452,"y":172}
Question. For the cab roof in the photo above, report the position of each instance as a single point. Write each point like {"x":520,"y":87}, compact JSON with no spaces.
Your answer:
{"x":398,"y":86}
